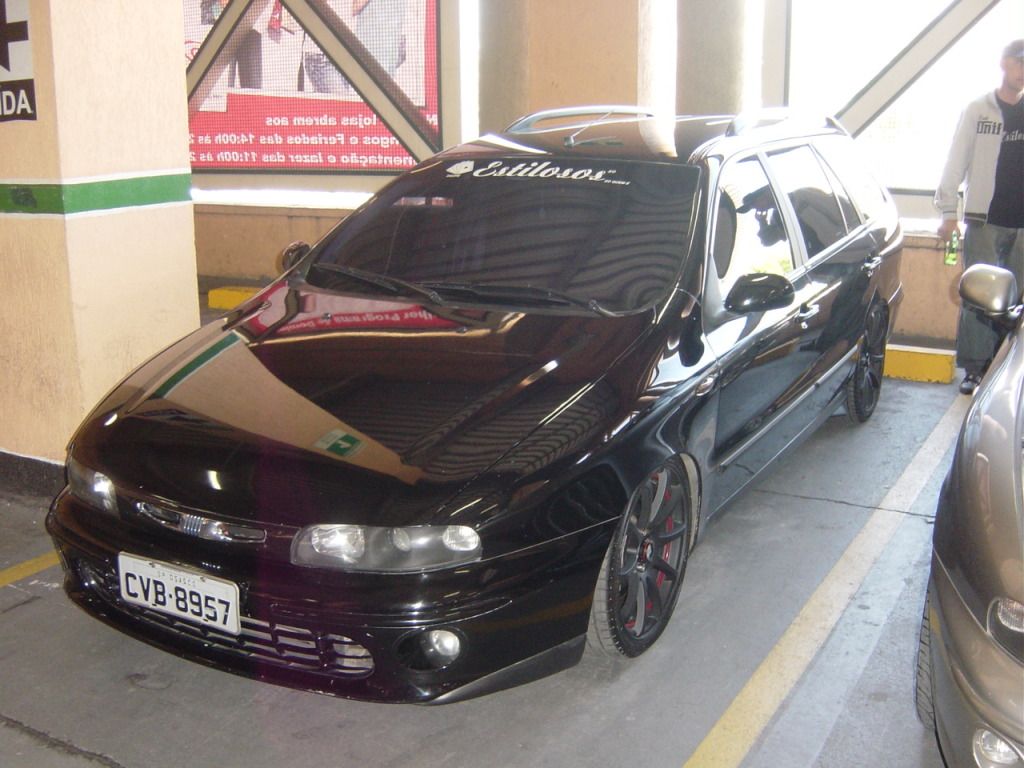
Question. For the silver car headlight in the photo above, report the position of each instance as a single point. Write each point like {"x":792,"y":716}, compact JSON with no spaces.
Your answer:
{"x":385,"y":550}
{"x":1006,"y":623}
{"x":92,"y":487}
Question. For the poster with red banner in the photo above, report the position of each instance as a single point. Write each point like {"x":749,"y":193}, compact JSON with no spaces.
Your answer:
{"x":280,"y":104}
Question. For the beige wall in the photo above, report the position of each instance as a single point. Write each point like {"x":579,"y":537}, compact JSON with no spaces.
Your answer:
{"x":244,"y":241}
{"x":556,"y":53}
{"x":93,"y":293}
{"x":931,"y":305}
{"x":133,"y":289}
{"x":120,"y":86}
{"x":40,"y":399}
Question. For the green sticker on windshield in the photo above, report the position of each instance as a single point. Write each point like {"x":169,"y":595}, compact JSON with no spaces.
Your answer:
{"x":339,"y":442}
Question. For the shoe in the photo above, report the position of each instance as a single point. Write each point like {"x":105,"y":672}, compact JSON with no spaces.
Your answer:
{"x":969,"y":384}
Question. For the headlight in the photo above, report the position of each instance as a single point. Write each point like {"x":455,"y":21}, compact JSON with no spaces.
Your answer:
{"x":1010,"y":614}
{"x":1006,"y":622}
{"x":386,"y":550}
{"x":94,"y":488}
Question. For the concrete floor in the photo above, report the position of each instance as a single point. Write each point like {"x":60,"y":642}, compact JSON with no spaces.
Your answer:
{"x":75,"y":694}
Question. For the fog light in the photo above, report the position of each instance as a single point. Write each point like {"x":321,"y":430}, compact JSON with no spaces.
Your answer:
{"x":429,"y":650}
{"x":991,"y":749}
{"x":440,"y":646}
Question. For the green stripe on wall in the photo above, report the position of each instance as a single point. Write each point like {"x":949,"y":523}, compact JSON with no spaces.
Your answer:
{"x":95,"y":195}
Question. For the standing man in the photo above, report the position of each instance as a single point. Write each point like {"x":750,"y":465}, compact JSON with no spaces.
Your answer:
{"x":987,"y":154}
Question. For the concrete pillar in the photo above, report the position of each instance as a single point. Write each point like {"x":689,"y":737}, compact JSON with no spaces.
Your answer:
{"x":540,"y":54}
{"x":775,"y":58}
{"x":713,"y":44}
{"x":96,"y":231}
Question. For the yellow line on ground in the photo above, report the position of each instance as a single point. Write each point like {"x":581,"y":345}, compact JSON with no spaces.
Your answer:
{"x":28,"y":568}
{"x":732,"y":737}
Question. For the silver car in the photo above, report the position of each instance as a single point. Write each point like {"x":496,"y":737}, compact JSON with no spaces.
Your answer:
{"x":970,"y":665}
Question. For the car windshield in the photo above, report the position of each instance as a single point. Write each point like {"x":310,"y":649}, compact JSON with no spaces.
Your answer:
{"x":593,"y":235}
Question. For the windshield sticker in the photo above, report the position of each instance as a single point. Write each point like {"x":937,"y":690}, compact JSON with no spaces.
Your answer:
{"x":340,"y":442}
{"x":537,"y":169}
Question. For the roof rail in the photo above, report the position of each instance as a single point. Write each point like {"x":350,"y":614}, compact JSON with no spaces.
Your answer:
{"x":600,"y":113}
{"x":779,"y":116}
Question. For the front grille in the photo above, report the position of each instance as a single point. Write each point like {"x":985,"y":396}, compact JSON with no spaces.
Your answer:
{"x":280,"y":645}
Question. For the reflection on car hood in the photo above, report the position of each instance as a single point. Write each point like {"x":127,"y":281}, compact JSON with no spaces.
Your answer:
{"x":320,"y":407}
{"x":979,"y":531}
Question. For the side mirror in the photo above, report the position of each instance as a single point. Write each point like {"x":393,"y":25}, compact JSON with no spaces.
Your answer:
{"x":759,"y":293}
{"x":993,"y":290}
{"x":291,"y":255}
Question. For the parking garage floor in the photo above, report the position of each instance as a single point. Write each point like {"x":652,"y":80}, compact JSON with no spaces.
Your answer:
{"x":793,"y":645}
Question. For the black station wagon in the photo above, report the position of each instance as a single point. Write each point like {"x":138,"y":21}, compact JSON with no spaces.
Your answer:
{"x":487,"y":416}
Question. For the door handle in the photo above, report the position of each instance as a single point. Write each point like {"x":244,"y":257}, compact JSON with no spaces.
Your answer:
{"x":706,"y":385}
{"x":871,"y":265}
{"x":807,"y":311}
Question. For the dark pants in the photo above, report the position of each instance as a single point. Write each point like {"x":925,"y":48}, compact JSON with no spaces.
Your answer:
{"x":248,"y":61}
{"x":976,"y":339}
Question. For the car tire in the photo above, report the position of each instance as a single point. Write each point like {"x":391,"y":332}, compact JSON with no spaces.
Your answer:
{"x":923,"y":688}
{"x":865,"y":384}
{"x":644,"y":567}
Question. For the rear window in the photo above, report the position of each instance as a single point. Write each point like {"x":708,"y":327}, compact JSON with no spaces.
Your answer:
{"x":595,"y":230}
{"x":841,"y":155}
{"x":814,"y":203}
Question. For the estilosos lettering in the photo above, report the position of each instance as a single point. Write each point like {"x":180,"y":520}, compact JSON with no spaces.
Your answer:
{"x":537,"y":169}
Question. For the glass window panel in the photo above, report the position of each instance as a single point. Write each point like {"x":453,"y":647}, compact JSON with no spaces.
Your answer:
{"x":828,"y":69}
{"x":910,"y":140}
{"x":750,"y":236}
{"x":841,"y":155}
{"x":611,"y":232}
{"x":810,"y":194}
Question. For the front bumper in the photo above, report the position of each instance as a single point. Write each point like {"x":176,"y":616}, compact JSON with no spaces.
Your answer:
{"x":976,"y":684}
{"x":523,"y":617}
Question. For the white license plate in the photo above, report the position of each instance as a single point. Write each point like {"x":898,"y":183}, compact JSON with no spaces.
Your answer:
{"x":189,"y":595}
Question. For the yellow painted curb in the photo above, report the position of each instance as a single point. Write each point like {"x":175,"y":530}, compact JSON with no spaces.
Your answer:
{"x":920,"y":364}
{"x":229,"y":296}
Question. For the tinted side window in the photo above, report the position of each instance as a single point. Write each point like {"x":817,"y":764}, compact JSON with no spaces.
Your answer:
{"x":749,"y":233}
{"x":805,"y":183}
{"x":843,"y":198}
{"x":840,"y":153}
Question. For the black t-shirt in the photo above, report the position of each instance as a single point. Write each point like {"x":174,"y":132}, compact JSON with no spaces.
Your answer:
{"x":1007,"y":207}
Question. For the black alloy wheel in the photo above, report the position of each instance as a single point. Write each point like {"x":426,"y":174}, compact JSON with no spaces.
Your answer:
{"x":643,"y":570}
{"x":864,"y":386}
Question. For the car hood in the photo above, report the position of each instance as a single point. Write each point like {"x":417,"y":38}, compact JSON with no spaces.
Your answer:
{"x":308,"y":406}
{"x":979,"y":528}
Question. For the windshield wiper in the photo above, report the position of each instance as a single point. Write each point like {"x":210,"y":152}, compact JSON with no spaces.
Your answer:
{"x":393,"y":285}
{"x":523,"y":293}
